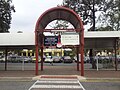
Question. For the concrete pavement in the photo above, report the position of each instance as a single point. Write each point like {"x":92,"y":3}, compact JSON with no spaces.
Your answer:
{"x":60,"y":71}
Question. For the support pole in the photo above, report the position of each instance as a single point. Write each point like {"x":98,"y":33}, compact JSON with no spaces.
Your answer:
{"x":41,"y":48}
{"x":97,"y":63}
{"x":77,"y":58}
{"x":81,"y":34}
{"x":116,"y":62}
{"x":36,"y":49}
{"x":82,"y":62}
{"x":41,"y":58}
{"x":6,"y":59}
{"x":36,"y":73}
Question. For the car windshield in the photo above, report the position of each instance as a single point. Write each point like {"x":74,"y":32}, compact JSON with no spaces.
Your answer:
{"x":67,"y":57}
{"x":48,"y":57}
{"x":55,"y":57}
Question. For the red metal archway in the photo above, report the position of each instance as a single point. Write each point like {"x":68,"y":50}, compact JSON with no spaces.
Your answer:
{"x":58,"y":13}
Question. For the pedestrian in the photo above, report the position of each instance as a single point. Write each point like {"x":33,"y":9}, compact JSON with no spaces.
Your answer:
{"x":51,"y":61}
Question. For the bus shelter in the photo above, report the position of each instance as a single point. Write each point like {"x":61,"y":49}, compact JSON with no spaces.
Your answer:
{"x":58,"y":13}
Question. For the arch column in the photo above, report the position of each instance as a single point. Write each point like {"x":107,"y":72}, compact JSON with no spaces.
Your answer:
{"x":58,"y":13}
{"x":82,"y":51}
{"x":36,"y":52}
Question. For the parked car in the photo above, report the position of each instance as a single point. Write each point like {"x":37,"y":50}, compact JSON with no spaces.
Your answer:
{"x":34,"y":59}
{"x":48,"y":59}
{"x":87,"y":59}
{"x":56,"y":59}
{"x":67,"y":59}
{"x":113,"y":58}
{"x":2,"y":59}
{"x":14,"y":59}
{"x":118,"y":58}
{"x":26,"y":59}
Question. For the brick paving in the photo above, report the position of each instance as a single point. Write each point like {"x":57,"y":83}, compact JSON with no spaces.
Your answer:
{"x":61,"y":70}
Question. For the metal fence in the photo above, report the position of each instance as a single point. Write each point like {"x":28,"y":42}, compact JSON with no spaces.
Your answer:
{"x":25,"y":63}
{"x":102,"y":62}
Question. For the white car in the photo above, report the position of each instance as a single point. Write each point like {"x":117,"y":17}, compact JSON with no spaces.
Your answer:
{"x":2,"y":59}
{"x":48,"y":59}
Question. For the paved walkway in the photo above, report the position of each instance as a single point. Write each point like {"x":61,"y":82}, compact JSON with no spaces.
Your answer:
{"x":60,"y":70}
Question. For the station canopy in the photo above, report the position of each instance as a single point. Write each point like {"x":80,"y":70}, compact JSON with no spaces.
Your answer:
{"x":59,"y":13}
{"x":93,"y":39}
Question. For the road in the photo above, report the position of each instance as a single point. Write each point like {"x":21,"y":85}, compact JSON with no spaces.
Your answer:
{"x":101,"y":85}
{"x":15,"y":85}
{"x":25,"y":85}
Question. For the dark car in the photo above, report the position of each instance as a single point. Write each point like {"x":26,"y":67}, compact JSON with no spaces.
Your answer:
{"x":67,"y":59}
{"x":26,"y":59}
{"x":14,"y":59}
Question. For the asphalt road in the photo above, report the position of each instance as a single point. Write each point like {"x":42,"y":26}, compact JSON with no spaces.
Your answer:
{"x":101,"y":85}
{"x":25,"y":85}
{"x":15,"y":85}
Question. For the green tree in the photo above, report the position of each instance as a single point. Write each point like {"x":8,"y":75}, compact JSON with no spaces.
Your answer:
{"x":19,"y":31}
{"x":87,"y":9}
{"x":107,"y":28}
{"x":59,"y":24}
{"x":112,"y":18}
{"x":5,"y":15}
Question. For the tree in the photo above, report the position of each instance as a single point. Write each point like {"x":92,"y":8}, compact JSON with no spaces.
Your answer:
{"x":87,"y":9}
{"x":107,"y":28}
{"x":5,"y":15}
{"x":20,"y":32}
{"x":112,"y":18}
{"x":59,"y":24}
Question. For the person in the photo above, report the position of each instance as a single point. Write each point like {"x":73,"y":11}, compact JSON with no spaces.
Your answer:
{"x":44,"y":57}
{"x":92,"y":60}
{"x":51,"y":61}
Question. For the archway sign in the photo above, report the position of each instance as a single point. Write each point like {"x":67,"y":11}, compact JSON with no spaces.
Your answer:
{"x":58,"y":13}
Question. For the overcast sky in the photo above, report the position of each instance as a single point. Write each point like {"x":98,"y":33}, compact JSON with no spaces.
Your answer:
{"x":27,"y":13}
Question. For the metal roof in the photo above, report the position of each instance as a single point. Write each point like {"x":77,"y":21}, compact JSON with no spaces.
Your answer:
{"x":101,"y":39}
{"x":17,"y":40}
{"x":59,"y":13}
{"x":96,"y":39}
{"x":102,"y":34}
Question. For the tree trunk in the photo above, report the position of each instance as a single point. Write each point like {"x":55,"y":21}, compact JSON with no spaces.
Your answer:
{"x":92,"y":60}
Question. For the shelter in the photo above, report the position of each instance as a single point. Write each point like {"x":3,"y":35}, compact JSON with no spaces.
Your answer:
{"x":93,"y":39}
{"x":58,"y":13}
{"x":102,"y":39}
{"x":17,"y":40}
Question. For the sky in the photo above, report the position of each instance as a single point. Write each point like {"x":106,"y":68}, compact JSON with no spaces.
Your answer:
{"x":27,"y":13}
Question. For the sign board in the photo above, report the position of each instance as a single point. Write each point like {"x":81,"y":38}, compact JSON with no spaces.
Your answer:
{"x":70,"y":39}
{"x":50,"y":40}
